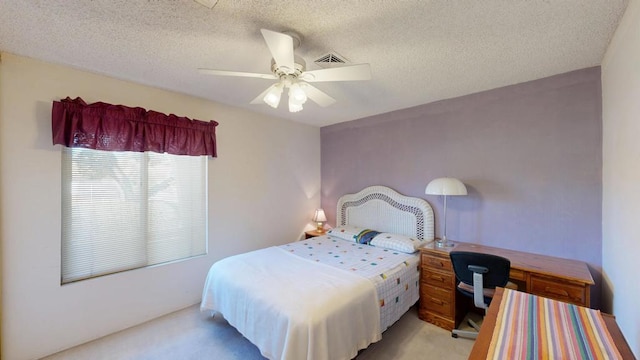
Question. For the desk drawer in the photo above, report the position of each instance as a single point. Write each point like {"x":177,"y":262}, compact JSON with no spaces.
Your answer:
{"x":558,"y":289}
{"x":436,"y":300}
{"x":439,"y":279}
{"x":437,"y":292}
{"x":516,"y":274}
{"x":436,"y":262}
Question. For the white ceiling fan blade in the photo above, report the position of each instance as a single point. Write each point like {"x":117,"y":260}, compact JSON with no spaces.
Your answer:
{"x":281,"y":48}
{"x":344,"y":73}
{"x":259,"y":98}
{"x":318,"y":96}
{"x":237,"y":73}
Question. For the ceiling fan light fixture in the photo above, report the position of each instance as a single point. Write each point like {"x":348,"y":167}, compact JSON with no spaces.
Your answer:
{"x":297,"y":94}
{"x":293,"y":107}
{"x":273,"y":96}
{"x":290,"y":72}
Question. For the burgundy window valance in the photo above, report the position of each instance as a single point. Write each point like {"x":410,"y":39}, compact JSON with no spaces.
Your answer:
{"x":102,"y":126}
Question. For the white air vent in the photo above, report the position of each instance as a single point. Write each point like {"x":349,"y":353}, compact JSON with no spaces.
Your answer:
{"x":330,"y":59}
{"x":208,"y":3}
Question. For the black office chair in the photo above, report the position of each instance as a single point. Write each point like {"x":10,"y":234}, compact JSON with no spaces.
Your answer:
{"x":478,"y":275}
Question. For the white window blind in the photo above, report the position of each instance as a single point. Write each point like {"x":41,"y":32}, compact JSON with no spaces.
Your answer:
{"x":126,"y":210}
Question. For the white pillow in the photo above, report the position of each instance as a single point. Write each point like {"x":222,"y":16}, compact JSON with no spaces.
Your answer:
{"x":397,"y":242}
{"x":346,"y":232}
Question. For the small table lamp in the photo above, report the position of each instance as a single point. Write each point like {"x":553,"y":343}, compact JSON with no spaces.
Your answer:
{"x":445,"y":186}
{"x":319,"y":217}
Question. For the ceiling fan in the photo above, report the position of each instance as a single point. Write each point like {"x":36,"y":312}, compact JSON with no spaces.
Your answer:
{"x":290,"y":72}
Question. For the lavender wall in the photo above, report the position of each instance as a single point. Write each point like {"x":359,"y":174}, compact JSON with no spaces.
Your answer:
{"x":530,"y":155}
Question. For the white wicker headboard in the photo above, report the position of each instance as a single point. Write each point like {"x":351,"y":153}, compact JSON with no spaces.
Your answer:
{"x":383,"y":209}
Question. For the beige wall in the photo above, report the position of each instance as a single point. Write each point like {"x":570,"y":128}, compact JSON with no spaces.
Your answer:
{"x":621,"y":175}
{"x":263,"y":188}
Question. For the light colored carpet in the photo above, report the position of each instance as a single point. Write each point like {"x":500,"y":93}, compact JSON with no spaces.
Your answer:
{"x":189,"y":334}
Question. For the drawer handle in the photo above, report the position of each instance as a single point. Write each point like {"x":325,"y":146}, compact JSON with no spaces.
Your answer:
{"x":436,"y":277}
{"x":555,"y":291}
{"x":436,"y":301}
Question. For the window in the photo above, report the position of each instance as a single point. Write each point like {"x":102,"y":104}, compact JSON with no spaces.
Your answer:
{"x":127,"y":210}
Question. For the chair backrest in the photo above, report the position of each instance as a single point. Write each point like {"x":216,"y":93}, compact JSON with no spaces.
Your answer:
{"x":498,"y":268}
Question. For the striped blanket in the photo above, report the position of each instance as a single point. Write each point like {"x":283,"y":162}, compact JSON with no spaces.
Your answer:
{"x":533,"y":327}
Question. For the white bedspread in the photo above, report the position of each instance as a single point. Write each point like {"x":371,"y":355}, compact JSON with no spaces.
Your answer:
{"x":394,"y":274}
{"x":292,"y":308}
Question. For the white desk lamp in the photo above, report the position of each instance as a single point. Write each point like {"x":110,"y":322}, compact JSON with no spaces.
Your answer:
{"x":445,"y":186}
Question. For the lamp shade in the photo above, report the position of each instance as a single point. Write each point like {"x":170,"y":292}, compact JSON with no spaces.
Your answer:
{"x":446,"y":186}
{"x":296,"y":94}
{"x":272,"y":98}
{"x":319,"y":216}
{"x":294,"y":107}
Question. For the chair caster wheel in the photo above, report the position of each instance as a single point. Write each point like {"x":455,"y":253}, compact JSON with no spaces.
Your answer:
{"x":455,"y":336}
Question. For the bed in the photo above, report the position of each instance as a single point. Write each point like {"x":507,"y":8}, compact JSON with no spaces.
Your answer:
{"x":330,"y":296}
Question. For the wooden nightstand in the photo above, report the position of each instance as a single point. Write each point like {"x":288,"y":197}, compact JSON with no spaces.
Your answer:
{"x":437,"y":289}
{"x":313,"y":233}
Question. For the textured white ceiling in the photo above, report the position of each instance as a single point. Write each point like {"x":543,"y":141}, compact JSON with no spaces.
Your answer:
{"x":420,"y":51}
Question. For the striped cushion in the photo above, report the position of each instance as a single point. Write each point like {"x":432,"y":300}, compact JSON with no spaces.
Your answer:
{"x":533,"y":327}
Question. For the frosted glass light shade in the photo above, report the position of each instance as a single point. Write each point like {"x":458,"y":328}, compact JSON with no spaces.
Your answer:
{"x":296,"y":94}
{"x":446,"y":186}
{"x":273,"y":96}
{"x":293,"y":107}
